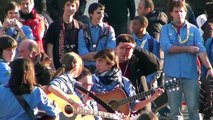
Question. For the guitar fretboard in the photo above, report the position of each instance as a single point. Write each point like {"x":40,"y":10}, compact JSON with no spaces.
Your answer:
{"x":94,"y":113}
{"x":135,"y":97}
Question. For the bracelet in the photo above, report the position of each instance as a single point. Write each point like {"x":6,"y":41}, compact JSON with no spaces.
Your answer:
{"x":71,"y":101}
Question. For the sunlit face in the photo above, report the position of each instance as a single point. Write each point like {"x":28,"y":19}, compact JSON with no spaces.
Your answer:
{"x":9,"y":54}
{"x":124,"y":53}
{"x":102,"y":65}
{"x":141,"y":9}
{"x":86,"y":82}
{"x":97,"y":16}
{"x":70,"y":8}
{"x":24,"y":51}
{"x":136,"y":27}
{"x":11,"y":14}
{"x":27,"y":6}
{"x":178,"y":15}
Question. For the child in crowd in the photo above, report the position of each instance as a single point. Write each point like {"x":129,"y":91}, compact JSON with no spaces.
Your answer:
{"x":7,"y":53}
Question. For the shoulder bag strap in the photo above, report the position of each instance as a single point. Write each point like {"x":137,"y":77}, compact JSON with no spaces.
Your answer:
{"x":25,"y":105}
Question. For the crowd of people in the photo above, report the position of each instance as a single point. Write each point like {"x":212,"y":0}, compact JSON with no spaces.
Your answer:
{"x":55,"y":60}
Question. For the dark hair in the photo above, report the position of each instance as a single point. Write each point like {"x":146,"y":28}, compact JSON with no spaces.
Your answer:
{"x":6,"y":42}
{"x":149,"y":4}
{"x":39,"y":5}
{"x":71,"y":1}
{"x":124,"y":38}
{"x":22,"y":78}
{"x":11,"y":6}
{"x":178,"y":3}
{"x":85,"y":72}
{"x":209,"y":9}
{"x":68,"y":61}
{"x":142,"y":20}
{"x":95,"y":6}
{"x":110,"y":56}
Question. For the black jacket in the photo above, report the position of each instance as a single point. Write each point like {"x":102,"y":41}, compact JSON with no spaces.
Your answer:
{"x":156,"y":20}
{"x":142,"y":63}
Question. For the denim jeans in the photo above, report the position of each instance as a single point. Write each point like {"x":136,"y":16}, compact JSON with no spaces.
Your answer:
{"x":190,"y":89}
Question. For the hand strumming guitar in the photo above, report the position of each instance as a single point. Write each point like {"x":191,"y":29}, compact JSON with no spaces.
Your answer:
{"x":74,"y":104}
{"x":158,"y":92}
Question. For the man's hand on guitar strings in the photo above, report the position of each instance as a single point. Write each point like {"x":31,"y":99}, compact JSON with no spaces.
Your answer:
{"x":158,"y":91}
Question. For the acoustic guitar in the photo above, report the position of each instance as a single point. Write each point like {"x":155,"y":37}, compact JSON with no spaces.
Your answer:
{"x":68,"y":112}
{"x":119,"y":101}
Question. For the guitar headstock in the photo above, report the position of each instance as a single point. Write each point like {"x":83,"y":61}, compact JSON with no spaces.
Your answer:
{"x":171,"y":85}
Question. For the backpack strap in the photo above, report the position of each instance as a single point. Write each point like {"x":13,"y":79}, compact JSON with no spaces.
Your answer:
{"x":106,"y":29}
{"x":88,"y":35}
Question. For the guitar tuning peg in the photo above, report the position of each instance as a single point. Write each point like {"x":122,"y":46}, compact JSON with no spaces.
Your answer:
{"x":178,"y":88}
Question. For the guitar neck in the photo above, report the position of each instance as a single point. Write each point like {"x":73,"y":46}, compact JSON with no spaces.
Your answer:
{"x":95,"y":113}
{"x":135,"y":97}
{"x":173,"y":83}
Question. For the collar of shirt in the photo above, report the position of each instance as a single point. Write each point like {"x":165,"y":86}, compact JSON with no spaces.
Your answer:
{"x":186,"y":23}
{"x":147,"y":36}
{"x":97,"y":26}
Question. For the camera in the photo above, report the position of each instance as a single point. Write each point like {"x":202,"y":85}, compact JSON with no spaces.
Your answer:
{"x":10,"y":20}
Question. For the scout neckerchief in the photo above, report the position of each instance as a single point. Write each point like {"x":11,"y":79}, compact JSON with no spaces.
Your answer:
{"x":180,"y":41}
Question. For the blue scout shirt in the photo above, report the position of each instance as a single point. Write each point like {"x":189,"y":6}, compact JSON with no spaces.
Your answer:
{"x":181,"y":65}
{"x":100,"y":44}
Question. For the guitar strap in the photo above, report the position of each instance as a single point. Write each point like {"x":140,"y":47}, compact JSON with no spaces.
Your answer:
{"x":98,"y":100}
{"x":25,"y":106}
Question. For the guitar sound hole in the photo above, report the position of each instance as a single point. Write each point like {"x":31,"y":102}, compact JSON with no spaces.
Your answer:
{"x":68,"y":109}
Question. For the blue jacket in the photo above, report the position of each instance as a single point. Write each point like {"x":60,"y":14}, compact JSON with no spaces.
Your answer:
{"x":5,"y":72}
{"x":12,"y":110}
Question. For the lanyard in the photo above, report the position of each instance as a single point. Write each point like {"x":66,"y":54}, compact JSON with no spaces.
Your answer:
{"x":94,"y":44}
{"x":68,"y":46}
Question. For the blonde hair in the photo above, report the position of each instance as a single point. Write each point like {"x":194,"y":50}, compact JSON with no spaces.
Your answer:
{"x":68,"y":62}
